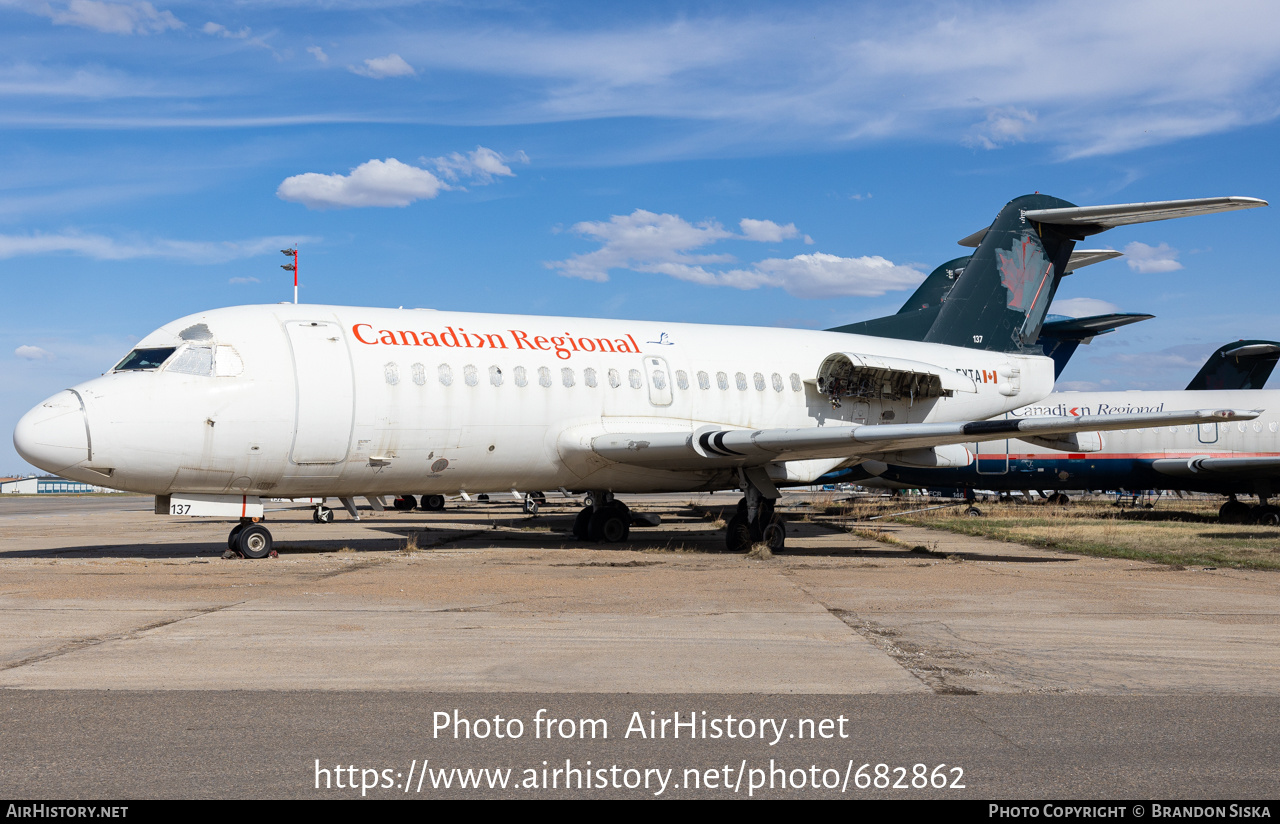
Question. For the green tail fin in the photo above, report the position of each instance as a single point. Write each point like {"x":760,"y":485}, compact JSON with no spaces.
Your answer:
{"x":1000,"y":302}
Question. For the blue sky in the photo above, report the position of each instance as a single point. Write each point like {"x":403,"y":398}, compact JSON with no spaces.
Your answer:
{"x":708,"y":162}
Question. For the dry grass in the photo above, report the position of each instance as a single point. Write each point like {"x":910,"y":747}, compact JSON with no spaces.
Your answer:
{"x":1179,"y":532}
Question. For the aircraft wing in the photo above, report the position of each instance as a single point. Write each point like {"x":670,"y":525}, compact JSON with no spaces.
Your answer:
{"x":712,"y":447}
{"x":1265,"y":466}
{"x":1094,"y":219}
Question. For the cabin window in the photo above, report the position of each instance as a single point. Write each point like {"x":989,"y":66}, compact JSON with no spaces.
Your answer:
{"x":741,"y":381}
{"x":796,"y":385}
{"x":704,"y":382}
{"x":566,"y":377}
{"x":1273,"y":426}
{"x":446,"y":374}
{"x":758,"y":380}
{"x":722,"y":380}
{"x":193,"y":360}
{"x":495,"y":376}
{"x":589,"y":377}
{"x":470,"y":374}
{"x":777,"y":382}
{"x":544,"y":376}
{"x":145,"y":359}
{"x":419,"y":374}
{"x":1257,"y":427}
{"x":1241,"y":425}
{"x":615,"y":380}
{"x":521,"y":377}
{"x":682,"y":379}
{"x":659,"y":379}
{"x":633,"y":378}
{"x":392,"y":373}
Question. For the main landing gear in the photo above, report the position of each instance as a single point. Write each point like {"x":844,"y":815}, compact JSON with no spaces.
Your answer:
{"x":755,"y":521}
{"x":1238,"y":512}
{"x":604,"y":519}
{"x":252,"y":540}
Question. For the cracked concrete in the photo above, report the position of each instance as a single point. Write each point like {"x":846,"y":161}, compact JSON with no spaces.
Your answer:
{"x":494,"y":601}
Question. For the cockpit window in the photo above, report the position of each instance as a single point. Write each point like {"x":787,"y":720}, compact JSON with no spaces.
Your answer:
{"x":193,"y":360}
{"x":140,"y":359}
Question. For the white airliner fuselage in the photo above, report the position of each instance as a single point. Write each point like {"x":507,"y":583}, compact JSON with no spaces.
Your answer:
{"x":300,"y":400}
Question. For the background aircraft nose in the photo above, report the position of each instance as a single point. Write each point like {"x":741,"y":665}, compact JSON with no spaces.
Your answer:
{"x":54,"y":435}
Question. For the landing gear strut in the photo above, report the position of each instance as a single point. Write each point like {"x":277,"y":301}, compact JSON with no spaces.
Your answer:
{"x":755,"y":521}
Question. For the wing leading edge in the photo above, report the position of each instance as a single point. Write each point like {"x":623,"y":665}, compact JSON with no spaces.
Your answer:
{"x":712,"y":447}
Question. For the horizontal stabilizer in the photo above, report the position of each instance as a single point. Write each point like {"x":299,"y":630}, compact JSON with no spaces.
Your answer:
{"x":711,"y":446}
{"x":1089,"y":327}
{"x":1087,"y":257}
{"x":1095,"y":219}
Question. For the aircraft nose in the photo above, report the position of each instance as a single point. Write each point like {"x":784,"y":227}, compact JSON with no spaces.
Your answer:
{"x":55,"y":435}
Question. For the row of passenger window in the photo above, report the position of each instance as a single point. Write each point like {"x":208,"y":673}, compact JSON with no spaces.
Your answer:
{"x":568,"y":378}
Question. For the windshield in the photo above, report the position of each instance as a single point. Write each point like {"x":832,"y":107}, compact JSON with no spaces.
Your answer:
{"x":145,"y":359}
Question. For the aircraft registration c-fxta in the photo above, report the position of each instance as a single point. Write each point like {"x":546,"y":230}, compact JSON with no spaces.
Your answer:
{"x":218,"y":411}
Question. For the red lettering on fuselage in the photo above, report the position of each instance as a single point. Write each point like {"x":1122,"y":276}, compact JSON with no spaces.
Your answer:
{"x":564,"y":346}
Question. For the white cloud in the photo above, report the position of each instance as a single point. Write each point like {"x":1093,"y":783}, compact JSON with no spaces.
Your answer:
{"x":1083,"y":307}
{"x":33,"y":353}
{"x":1002,"y":127}
{"x":101,"y":247}
{"x":641,"y":239}
{"x":1151,"y":259}
{"x":393,"y":65}
{"x":665,"y":244}
{"x":481,"y":166}
{"x":135,"y":17}
{"x":373,"y":183}
{"x":767,"y":231}
{"x":840,"y":73}
{"x":318,"y":54}
{"x":219,"y":30}
{"x":393,"y":183}
{"x":244,"y":280}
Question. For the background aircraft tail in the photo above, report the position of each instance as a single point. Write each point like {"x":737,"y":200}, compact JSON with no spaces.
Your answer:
{"x":914,"y":320}
{"x":1245,"y":364}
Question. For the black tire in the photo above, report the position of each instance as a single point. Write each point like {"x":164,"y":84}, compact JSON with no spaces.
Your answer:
{"x":973,"y":512}
{"x":775,"y":536}
{"x":405,"y":503}
{"x":610,"y":525}
{"x":588,"y":500}
{"x":483,"y":497}
{"x":581,"y":522}
{"x":1266,"y":515}
{"x":540,"y":497}
{"x":433,"y":503}
{"x":530,"y":505}
{"x":322,"y":515}
{"x":254,"y":541}
{"x":235,"y":533}
{"x":737,"y":536}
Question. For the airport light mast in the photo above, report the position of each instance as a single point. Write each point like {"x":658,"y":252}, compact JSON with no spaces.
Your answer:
{"x":292,"y":267}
